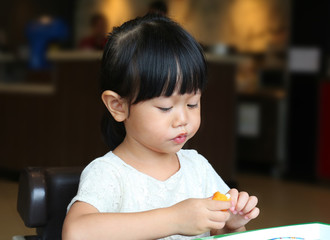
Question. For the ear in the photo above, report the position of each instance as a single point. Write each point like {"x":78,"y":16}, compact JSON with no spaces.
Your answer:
{"x":116,"y":105}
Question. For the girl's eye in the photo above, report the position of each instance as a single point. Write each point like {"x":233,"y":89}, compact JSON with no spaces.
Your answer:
{"x":192,"y":105}
{"x":163,"y":109}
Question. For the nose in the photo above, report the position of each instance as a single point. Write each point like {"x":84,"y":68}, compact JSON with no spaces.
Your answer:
{"x":180,"y":118}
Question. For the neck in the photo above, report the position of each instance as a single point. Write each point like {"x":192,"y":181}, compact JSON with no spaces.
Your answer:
{"x":155,"y":164}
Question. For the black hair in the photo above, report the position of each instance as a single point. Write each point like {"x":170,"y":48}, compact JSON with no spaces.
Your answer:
{"x":158,"y":7}
{"x":148,"y":57}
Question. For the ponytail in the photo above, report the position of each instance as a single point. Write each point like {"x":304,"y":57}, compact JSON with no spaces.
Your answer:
{"x":113,"y":131}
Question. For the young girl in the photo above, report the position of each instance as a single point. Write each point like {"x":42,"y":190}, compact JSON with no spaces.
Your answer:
{"x":147,"y":187}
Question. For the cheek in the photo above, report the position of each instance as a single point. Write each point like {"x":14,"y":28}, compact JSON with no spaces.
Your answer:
{"x":196,"y":122}
{"x":149,"y":122}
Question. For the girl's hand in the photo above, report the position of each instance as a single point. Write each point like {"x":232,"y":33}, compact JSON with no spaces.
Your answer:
{"x":196,"y":216}
{"x":243,"y":209}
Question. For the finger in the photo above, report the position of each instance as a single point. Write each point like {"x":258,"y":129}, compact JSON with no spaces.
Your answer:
{"x":219,"y":216}
{"x":218,"y":219}
{"x":216,"y":225}
{"x":251,"y":203}
{"x":233,"y":194}
{"x":241,"y":201}
{"x":233,"y":197}
{"x":252,"y":214}
{"x":218,"y":205}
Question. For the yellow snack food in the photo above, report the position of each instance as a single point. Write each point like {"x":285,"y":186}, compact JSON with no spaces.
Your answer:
{"x":221,"y":197}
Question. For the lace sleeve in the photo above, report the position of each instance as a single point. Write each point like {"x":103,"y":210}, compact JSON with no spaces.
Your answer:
{"x":99,"y":186}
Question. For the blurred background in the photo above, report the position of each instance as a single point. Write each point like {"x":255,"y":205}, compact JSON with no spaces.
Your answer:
{"x":266,"y":112}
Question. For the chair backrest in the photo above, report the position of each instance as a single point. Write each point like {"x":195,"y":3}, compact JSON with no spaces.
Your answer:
{"x":43,"y":197}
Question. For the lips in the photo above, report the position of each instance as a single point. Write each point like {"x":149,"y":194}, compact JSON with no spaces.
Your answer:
{"x":181,"y":138}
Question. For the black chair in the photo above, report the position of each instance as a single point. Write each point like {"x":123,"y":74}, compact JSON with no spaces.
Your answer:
{"x":43,"y":197}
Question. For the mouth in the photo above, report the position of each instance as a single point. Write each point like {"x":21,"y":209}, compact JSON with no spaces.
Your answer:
{"x":181,"y":138}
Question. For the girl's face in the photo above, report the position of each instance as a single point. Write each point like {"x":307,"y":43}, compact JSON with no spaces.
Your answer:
{"x":164,"y":124}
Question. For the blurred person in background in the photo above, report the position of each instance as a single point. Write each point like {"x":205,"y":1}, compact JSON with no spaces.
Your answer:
{"x":158,"y":7}
{"x":98,"y":35}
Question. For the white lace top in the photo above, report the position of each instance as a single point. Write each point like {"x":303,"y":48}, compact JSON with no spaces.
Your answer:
{"x":108,"y":183}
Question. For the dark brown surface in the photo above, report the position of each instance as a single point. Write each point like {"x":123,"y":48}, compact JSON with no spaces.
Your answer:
{"x":216,"y":137}
{"x":63,"y":129}
{"x":261,"y":148}
{"x":60,"y":129}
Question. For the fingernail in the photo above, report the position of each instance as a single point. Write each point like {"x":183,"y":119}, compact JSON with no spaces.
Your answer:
{"x":240,"y":213}
{"x":246,"y":217}
{"x":234,"y":212}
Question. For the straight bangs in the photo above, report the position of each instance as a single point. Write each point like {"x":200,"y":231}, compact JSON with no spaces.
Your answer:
{"x":165,"y":61}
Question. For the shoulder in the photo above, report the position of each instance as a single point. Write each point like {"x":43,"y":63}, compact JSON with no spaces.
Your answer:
{"x":192,"y":160}
{"x":192,"y":156}
{"x":189,"y":153}
{"x":100,"y":183}
{"x":196,"y":165}
{"x":102,"y":167}
{"x":100,"y":162}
